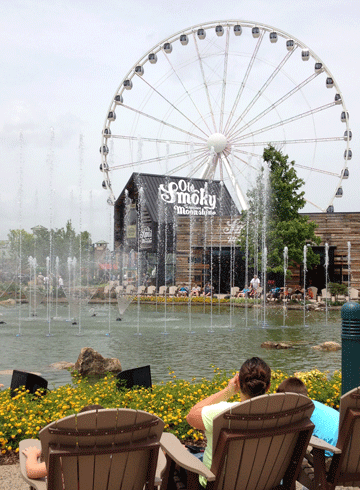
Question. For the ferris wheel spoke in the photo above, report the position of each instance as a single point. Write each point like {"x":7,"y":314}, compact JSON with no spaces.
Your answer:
{"x":172,"y":105}
{"x":226,"y":59}
{"x":248,"y":153}
{"x":140,"y":113}
{"x":197,"y":168}
{"x":286,"y":121}
{"x":275,"y":104}
{"x":204,"y":81}
{"x":153,"y":140}
{"x":155,"y":159}
{"x":234,"y":182}
{"x":262,"y":89}
{"x":243,"y":83}
{"x":316,"y":206}
{"x":187,"y":163}
{"x":245,"y":162}
{"x":317,"y":170}
{"x":291,"y":142}
{"x":188,"y":93}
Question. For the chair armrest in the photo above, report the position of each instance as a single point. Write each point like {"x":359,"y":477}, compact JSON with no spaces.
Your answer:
{"x":38,"y":484}
{"x":317,"y":443}
{"x":179,"y":454}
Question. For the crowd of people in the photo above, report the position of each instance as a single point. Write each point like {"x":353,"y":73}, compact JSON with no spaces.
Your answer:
{"x":195,"y":291}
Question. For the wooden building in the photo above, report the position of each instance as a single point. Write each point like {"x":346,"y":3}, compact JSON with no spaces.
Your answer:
{"x":170,"y":229}
{"x":174,"y":230}
{"x":336,"y":229}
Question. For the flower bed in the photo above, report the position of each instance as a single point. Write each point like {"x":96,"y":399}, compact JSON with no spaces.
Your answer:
{"x":24,"y":415}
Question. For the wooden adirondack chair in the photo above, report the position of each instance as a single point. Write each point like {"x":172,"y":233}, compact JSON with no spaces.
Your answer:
{"x":130,"y":289}
{"x":173,"y":290}
{"x":163,"y":290}
{"x":344,"y":468}
{"x":98,"y":450}
{"x":141,"y":290}
{"x":151,"y":291}
{"x":258,"y":444}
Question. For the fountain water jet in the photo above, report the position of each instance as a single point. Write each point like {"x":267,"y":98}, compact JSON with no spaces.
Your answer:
{"x":286,"y":263}
{"x":326,"y":280}
{"x":349,"y":266}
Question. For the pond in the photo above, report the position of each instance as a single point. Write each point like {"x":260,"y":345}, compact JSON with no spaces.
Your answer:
{"x":188,"y":348}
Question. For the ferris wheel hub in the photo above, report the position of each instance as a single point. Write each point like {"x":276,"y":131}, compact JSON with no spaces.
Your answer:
{"x":217,"y":141}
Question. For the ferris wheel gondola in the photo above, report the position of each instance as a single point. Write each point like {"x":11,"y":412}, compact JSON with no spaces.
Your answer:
{"x":207,"y":100}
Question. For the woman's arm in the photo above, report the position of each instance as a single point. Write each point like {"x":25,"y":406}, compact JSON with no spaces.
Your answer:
{"x":34,"y":469}
{"x":194,"y":417}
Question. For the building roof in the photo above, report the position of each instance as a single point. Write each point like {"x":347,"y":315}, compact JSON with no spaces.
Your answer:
{"x":186,"y":196}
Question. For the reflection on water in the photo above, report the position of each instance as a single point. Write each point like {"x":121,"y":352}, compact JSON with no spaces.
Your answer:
{"x":188,"y":354}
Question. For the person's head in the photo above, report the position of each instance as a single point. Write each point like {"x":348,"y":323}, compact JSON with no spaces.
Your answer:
{"x":91,"y":407}
{"x":254,"y":377}
{"x":255,"y":276}
{"x":292,"y":385}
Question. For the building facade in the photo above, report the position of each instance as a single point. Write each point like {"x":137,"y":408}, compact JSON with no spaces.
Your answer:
{"x":174,"y":230}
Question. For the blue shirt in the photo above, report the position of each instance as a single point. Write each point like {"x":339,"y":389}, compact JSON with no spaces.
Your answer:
{"x":326,"y":421}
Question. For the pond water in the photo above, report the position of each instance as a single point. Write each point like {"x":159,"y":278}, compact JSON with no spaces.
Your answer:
{"x":188,"y":354}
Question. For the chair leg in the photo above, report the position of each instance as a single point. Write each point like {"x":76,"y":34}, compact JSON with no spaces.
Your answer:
{"x":319,"y":469}
{"x":167,"y":478}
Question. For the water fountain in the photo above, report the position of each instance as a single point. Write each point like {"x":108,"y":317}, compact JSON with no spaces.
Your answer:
{"x":349,"y":266}
{"x":264,"y":236}
{"x":326,"y":281}
{"x":183,"y":320}
{"x":35,"y":293}
{"x":286,"y":263}
{"x":305,"y":271}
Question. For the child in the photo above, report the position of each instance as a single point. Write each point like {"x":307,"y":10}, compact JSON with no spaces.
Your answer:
{"x":325,"y":419}
{"x":34,"y":469}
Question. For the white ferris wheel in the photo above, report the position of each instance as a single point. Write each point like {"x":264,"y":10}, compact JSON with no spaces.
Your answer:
{"x":207,"y":100}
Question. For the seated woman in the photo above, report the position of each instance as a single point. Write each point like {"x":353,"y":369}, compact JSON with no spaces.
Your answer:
{"x":183,"y":291}
{"x":253,"y":380}
{"x":207,"y":289}
{"x":195,"y":291}
{"x":244,"y":293}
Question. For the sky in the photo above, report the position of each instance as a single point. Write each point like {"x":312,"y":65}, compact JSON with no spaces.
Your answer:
{"x":62,"y":62}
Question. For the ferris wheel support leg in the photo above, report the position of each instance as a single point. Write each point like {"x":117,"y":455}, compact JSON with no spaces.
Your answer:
{"x":239,"y":193}
{"x":209,"y":168}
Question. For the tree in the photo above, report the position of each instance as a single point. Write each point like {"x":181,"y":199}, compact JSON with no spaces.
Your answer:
{"x":337,"y":289}
{"x":42,"y":243}
{"x":273,"y":216}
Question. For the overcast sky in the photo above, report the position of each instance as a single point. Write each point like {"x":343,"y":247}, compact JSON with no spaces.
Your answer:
{"x":62,"y":61}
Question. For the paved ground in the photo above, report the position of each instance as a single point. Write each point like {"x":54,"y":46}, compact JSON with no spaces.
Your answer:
{"x":10,"y":479}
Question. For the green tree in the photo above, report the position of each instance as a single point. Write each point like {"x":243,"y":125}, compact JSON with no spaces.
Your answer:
{"x":42,"y":243}
{"x":274,"y":214}
{"x":21,"y":246}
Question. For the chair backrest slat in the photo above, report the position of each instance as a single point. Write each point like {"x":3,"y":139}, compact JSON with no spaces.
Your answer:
{"x":260,"y":436}
{"x":85,"y":471}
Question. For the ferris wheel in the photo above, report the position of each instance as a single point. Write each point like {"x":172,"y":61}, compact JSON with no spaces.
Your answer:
{"x":206,"y":101}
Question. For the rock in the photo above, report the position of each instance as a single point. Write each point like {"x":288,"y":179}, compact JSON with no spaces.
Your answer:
{"x":62,"y":365}
{"x":8,"y":302}
{"x":275,"y":345}
{"x":91,"y":363}
{"x":327,"y":346}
